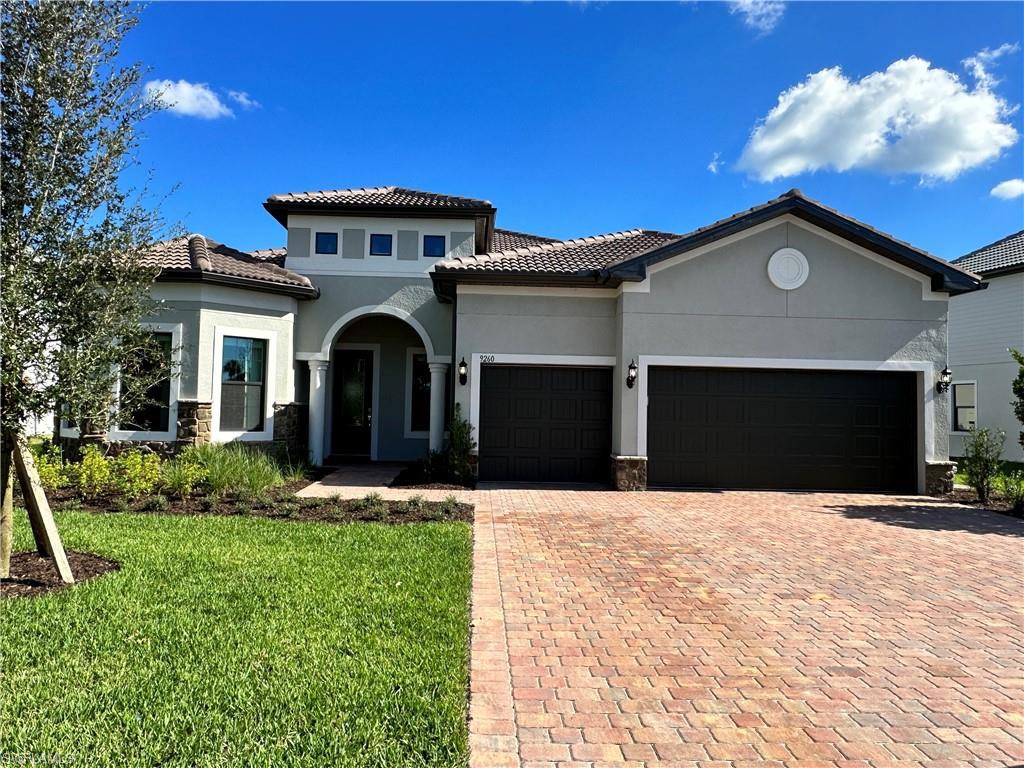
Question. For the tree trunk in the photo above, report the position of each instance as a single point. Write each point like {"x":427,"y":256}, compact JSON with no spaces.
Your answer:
{"x":7,"y":510}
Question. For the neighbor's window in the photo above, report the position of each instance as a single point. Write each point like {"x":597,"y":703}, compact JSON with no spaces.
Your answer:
{"x":326,"y":242}
{"x":419,"y":408}
{"x":380,"y":245}
{"x":154,"y":415}
{"x":433,"y":246}
{"x":965,"y":407}
{"x":243,"y":381}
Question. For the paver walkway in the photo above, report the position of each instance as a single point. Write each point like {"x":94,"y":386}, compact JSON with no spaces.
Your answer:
{"x":354,"y":481}
{"x":736,"y":629}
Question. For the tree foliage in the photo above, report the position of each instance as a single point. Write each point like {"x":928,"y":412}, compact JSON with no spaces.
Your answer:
{"x":74,"y":284}
{"x":1018,"y":392}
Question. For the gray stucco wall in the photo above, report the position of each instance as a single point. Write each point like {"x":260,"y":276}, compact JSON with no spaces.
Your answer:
{"x":394,"y":338}
{"x":340,"y":295}
{"x":722,"y":304}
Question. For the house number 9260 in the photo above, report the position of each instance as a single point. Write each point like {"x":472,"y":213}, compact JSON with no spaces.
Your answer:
{"x":486,"y":358}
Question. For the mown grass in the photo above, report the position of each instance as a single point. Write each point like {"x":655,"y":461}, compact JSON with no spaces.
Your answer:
{"x":227,"y":641}
{"x":1007,"y":467}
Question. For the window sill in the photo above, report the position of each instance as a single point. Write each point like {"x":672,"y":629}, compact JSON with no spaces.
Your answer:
{"x":228,"y":437}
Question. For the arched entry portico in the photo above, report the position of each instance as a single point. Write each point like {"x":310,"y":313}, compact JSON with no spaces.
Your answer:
{"x":385,"y":382}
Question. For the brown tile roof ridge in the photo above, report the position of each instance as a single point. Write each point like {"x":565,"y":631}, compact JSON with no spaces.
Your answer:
{"x":197,"y":253}
{"x":339,"y":195}
{"x":549,"y":247}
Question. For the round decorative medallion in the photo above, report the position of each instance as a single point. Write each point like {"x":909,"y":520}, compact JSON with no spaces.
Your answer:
{"x":787,"y":269}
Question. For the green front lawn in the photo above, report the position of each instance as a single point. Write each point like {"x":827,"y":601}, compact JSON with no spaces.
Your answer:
{"x":1007,"y":466}
{"x":230,"y":641}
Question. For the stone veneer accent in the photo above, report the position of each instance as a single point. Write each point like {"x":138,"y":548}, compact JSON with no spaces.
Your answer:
{"x":195,"y":422}
{"x":291,"y":424}
{"x":629,"y":473}
{"x":938,"y":477}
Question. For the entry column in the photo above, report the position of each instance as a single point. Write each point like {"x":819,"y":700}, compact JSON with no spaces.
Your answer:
{"x":437,"y":391}
{"x":317,"y":410}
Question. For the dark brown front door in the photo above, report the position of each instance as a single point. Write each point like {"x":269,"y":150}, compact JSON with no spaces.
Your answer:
{"x":779,"y":429}
{"x":545,"y":424}
{"x":353,"y":403}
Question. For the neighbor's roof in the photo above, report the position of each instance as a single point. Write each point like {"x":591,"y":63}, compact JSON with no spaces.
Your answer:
{"x":610,"y":259}
{"x":584,"y":254}
{"x":1000,"y":257}
{"x":197,"y":258}
{"x":376,"y":199}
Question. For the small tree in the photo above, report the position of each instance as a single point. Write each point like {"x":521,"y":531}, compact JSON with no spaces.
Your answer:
{"x":73,"y":283}
{"x":983,"y":450}
{"x":1018,"y":392}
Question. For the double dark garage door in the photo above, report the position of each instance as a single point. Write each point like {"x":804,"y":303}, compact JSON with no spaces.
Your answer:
{"x":706,"y":427}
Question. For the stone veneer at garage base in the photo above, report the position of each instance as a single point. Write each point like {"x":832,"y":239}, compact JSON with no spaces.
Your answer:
{"x":629,"y":473}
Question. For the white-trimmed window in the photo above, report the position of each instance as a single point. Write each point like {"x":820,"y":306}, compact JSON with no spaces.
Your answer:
{"x":417,"y":394}
{"x":965,"y":405}
{"x":158,"y":418}
{"x":243,"y":384}
{"x":381,"y":243}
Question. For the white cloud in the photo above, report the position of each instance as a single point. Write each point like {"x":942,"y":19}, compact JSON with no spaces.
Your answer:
{"x":1009,"y":189}
{"x":715,"y":163}
{"x":244,"y":100}
{"x":980,"y":63}
{"x":760,"y":15}
{"x":188,"y":99}
{"x":912,"y":118}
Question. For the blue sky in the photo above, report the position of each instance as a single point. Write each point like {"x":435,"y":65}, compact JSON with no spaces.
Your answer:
{"x":587,"y":118}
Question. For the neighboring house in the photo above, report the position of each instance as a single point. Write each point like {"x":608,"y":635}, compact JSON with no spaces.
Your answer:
{"x":982,"y":327}
{"x":787,"y":346}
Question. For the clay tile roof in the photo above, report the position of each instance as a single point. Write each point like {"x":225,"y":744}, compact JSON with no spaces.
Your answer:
{"x":399,"y":197}
{"x":584,"y":254}
{"x":1001,"y":256}
{"x":507,"y":240}
{"x":273,"y":255}
{"x":195,"y":257}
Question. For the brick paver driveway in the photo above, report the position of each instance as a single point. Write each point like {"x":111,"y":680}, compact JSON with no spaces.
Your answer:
{"x":745,"y":628}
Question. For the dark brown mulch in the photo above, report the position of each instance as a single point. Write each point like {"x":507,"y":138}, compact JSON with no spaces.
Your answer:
{"x":33,"y":575}
{"x":431,"y":486}
{"x":414,"y":476}
{"x":280,"y":504}
{"x":995,"y":503}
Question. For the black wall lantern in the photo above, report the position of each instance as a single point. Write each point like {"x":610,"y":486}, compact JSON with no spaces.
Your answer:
{"x":945,"y":379}
{"x":631,"y":373}
{"x":463,"y":371}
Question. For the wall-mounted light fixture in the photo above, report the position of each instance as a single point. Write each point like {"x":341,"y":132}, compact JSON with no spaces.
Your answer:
{"x":463,"y":371}
{"x":631,"y":374}
{"x":945,"y":379}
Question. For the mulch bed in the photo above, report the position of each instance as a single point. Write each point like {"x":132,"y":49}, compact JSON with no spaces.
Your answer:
{"x":33,"y":575}
{"x":414,"y":477}
{"x":279,"y":504}
{"x":995,"y":503}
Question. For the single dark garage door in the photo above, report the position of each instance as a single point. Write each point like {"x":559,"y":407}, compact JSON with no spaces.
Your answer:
{"x":545,"y":424}
{"x":822,"y":430}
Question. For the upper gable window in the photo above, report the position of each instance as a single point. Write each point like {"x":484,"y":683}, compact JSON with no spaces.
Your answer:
{"x":380,"y":245}
{"x":327,"y":242}
{"x":433,"y":246}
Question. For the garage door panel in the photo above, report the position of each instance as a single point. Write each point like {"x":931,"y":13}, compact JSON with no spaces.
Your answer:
{"x":749,"y":428}
{"x":559,"y":417}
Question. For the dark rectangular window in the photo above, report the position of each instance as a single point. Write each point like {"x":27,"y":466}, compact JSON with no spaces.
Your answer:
{"x":965,"y":407}
{"x":419,"y":408}
{"x":433,"y":246}
{"x":243,"y":383}
{"x":380,"y":245}
{"x":154,"y":414}
{"x":327,"y":242}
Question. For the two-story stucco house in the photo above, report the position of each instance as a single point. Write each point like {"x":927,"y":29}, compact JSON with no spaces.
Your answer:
{"x":787,"y":346}
{"x":983,"y":327}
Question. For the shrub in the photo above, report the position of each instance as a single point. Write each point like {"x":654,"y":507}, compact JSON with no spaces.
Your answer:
{"x":1012,"y":486}
{"x":156,"y":503}
{"x":91,"y":474}
{"x":49,"y":464}
{"x":120,"y":505}
{"x":415,"y":504}
{"x":208,"y":503}
{"x":460,"y":447}
{"x":182,"y":476}
{"x":134,"y":474}
{"x":373,"y":506}
{"x":450,"y":505}
{"x":982,"y":450}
